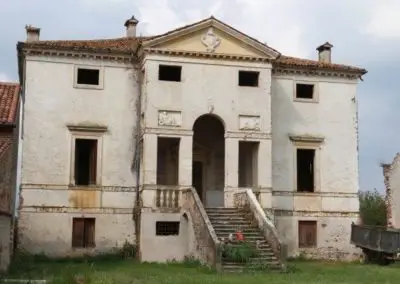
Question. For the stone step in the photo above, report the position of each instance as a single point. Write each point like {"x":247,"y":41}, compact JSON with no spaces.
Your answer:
{"x":244,"y":230}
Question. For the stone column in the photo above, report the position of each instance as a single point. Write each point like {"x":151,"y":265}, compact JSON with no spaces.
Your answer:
{"x":264,"y":172}
{"x":231,"y":169}
{"x":185,"y":160}
{"x":149,"y":159}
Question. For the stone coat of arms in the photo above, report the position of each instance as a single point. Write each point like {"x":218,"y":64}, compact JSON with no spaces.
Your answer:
{"x":210,"y":40}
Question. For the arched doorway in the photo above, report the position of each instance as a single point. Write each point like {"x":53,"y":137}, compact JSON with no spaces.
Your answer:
{"x":208,"y":168}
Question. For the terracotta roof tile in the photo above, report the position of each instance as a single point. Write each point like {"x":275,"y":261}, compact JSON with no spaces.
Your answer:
{"x":9,"y":95}
{"x":5,"y":143}
{"x":307,"y":63}
{"x":124,"y":44}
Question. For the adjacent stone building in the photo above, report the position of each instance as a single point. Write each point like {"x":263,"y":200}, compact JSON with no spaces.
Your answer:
{"x":391,"y":175}
{"x":9,"y":120}
{"x":117,"y":131}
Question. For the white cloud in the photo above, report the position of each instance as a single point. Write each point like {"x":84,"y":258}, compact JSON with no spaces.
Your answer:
{"x":384,"y":20}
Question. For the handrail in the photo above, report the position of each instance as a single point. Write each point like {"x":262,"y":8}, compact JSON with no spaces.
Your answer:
{"x":266,"y":225}
{"x":216,"y":254}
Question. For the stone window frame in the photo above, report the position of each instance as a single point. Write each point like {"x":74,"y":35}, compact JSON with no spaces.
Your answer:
{"x":100,"y":86}
{"x":315,"y":98}
{"x":313,"y":143}
{"x":86,"y":132}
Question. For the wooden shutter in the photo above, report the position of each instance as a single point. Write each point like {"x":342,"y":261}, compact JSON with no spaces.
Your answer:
{"x":89,"y":232}
{"x":78,"y":228}
{"x":307,"y":234}
{"x":93,"y":163}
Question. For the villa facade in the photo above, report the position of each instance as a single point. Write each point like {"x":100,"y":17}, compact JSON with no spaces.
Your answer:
{"x":133,"y":139}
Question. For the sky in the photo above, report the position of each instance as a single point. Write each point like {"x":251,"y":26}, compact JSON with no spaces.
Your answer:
{"x":365,"y":33}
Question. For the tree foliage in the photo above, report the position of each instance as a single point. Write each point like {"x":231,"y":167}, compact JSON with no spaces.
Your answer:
{"x":372,"y":208}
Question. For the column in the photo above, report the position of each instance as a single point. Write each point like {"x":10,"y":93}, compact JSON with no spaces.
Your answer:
{"x":185,"y":161}
{"x":231,"y":169}
{"x":264,"y":173}
{"x":149,"y":159}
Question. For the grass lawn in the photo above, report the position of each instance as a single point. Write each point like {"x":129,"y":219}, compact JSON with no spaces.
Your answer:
{"x":125,"y":271}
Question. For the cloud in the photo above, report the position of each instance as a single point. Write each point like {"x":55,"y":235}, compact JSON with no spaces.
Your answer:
{"x":384,"y":20}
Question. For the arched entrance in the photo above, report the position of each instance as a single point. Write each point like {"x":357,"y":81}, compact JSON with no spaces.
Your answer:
{"x":208,"y":171}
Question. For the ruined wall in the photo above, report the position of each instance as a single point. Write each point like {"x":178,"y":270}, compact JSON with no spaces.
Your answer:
{"x":328,"y":125}
{"x":49,"y":199}
{"x":391,"y":173}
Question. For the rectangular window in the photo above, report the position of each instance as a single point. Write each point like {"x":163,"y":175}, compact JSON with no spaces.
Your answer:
{"x":304,"y":91}
{"x":169,"y":73}
{"x":88,"y":76}
{"x":248,"y":164}
{"x":305,"y":170}
{"x":83,"y":232}
{"x":248,"y":78}
{"x":307,"y":234}
{"x":85,"y":161}
{"x":167,"y":228}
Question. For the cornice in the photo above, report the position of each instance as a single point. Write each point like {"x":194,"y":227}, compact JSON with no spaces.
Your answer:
{"x":196,"y":54}
{"x":93,"y":55}
{"x":311,"y":71}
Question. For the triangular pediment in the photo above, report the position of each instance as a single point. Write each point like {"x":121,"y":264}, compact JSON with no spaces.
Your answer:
{"x":211,"y":36}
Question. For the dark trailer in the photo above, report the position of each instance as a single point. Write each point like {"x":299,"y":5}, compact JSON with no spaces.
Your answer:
{"x":379,"y":244}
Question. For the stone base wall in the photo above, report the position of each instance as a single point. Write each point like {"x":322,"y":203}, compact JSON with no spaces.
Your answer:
{"x":51,"y":233}
{"x":333,"y":237}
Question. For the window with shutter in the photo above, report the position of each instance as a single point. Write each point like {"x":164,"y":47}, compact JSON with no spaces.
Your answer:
{"x":307,"y":234}
{"x":83,"y":232}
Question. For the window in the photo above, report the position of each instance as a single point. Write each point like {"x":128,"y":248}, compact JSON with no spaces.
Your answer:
{"x":305,"y":169}
{"x":83,"y":232}
{"x":248,"y":78}
{"x":169,"y":73}
{"x":85,"y":161}
{"x":88,"y":76}
{"x":307,"y":234}
{"x":167,"y":228}
{"x":304,"y":91}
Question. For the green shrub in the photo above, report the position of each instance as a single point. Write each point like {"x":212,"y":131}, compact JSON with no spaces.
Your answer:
{"x":372,"y":208}
{"x":240,"y":252}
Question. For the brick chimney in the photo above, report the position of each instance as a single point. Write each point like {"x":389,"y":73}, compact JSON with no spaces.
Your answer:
{"x":324,"y":52}
{"x":130,"y":25}
{"x":32,"y":33}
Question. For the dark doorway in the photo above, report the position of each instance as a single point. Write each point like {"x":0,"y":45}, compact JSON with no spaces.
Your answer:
{"x":85,"y":161}
{"x":197,"y":178}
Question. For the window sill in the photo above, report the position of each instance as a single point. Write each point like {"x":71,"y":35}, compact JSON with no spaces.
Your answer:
{"x":88,"y":87}
{"x":298,"y":100}
{"x":84,"y":187}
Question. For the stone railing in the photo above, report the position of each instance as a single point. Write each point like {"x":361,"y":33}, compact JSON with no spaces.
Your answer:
{"x":208,"y":248}
{"x":247,"y":200}
{"x":162,"y":196}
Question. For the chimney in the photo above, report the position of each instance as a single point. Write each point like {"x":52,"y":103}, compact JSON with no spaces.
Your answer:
{"x":324,"y":52}
{"x":32,"y":33}
{"x":130,"y":25}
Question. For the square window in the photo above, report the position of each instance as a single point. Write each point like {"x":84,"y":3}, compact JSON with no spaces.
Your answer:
{"x":248,"y":78}
{"x":169,"y":73}
{"x":88,"y":76}
{"x":305,"y":91}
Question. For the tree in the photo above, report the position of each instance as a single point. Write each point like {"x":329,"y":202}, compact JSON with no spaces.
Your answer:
{"x":372,"y":208}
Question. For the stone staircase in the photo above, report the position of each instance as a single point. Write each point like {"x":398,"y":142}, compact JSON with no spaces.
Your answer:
{"x":228,"y":220}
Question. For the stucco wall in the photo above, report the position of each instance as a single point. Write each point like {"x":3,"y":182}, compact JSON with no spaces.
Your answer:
{"x":392,"y":176}
{"x":334,"y":204}
{"x":5,"y":242}
{"x":48,"y":202}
